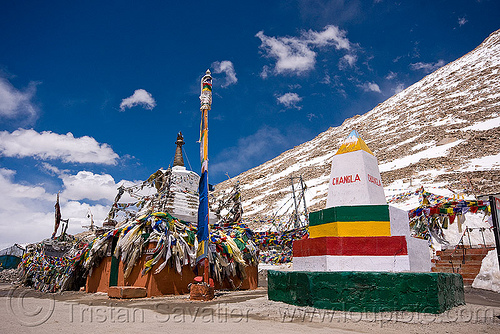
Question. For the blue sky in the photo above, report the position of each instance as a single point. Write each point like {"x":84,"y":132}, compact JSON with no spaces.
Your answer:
{"x":93,"y":93}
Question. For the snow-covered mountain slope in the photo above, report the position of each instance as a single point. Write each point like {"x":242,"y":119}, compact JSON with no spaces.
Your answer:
{"x":443,"y":130}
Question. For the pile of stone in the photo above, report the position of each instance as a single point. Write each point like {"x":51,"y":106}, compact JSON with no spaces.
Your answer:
{"x":9,"y":275}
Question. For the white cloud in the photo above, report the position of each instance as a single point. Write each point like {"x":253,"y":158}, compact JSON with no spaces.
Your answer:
{"x":32,"y":226}
{"x":295,"y":54}
{"x":332,"y":35}
{"x":11,"y":193}
{"x":462,"y":21}
{"x":427,"y":67}
{"x":326,"y":80}
{"x":77,"y":214}
{"x":257,"y":147}
{"x":52,"y":170}
{"x":395,"y":60}
{"x":399,"y":88}
{"x":226,"y":67}
{"x":140,"y":97}
{"x":27,"y":211}
{"x":87,"y":185}
{"x":342,"y":92}
{"x":265,"y":72}
{"x":391,"y":75}
{"x":291,"y":54}
{"x":95,"y":187}
{"x":311,"y":116}
{"x":51,"y":146}
{"x":346,"y":61}
{"x":290,"y":100}
{"x":370,"y":87}
{"x":15,"y":103}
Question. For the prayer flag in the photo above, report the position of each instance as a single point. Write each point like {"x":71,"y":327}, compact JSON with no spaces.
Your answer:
{"x":57,"y":217}
{"x":203,"y":207}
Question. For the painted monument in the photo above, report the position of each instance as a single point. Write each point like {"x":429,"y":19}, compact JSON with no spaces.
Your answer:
{"x":358,"y":230}
{"x":359,"y":256}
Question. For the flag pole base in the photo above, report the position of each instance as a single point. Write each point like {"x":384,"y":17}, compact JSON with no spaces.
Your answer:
{"x":200,"y":290}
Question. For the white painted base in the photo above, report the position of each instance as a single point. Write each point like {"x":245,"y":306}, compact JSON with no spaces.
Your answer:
{"x":352,"y":263}
{"x":400,"y":223}
{"x":419,"y":253}
{"x":418,"y":249}
{"x":183,"y":204}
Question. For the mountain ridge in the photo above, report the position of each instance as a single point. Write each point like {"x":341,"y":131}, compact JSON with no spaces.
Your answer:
{"x":442,"y":130}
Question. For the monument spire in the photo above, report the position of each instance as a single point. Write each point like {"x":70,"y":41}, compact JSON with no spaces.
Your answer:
{"x":178,"y":159}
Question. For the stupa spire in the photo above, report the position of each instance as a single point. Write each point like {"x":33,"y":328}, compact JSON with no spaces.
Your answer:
{"x":178,"y":159}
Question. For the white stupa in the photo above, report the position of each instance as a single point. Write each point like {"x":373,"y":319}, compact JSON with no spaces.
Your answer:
{"x":183,"y":198}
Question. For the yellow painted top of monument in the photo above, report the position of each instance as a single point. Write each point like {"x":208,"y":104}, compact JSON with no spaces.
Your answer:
{"x":352,"y":143}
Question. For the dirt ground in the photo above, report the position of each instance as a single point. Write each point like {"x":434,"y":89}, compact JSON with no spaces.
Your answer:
{"x":24,"y":310}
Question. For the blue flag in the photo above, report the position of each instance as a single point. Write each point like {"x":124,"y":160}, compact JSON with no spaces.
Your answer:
{"x":202,"y":233}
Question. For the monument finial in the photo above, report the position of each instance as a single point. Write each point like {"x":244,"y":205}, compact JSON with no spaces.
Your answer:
{"x":178,"y":159}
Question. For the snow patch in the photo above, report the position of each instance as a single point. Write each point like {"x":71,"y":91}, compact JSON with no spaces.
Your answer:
{"x":423,"y":145}
{"x":484,"y":125}
{"x":485,"y":163}
{"x":489,"y":275}
{"x":433,"y":152}
{"x":448,"y":121}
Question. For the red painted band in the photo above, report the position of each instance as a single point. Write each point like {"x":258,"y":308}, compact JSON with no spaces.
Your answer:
{"x":362,"y":246}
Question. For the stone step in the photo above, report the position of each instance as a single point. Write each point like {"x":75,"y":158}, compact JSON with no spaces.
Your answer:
{"x":460,"y":257}
{"x":459,"y":254}
{"x":467,"y":251}
{"x":469,"y":275}
{"x":469,"y":265}
{"x":455,"y":270}
{"x":127,"y":292}
{"x":473,"y":259}
{"x":459,"y":263}
{"x":468,"y":281}
{"x":441,"y":270}
{"x":479,"y":250}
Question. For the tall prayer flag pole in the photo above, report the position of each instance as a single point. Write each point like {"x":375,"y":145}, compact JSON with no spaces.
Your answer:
{"x":57,"y":217}
{"x":203,"y":208}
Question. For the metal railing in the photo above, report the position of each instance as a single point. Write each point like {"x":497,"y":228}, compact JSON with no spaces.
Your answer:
{"x":462,"y":246}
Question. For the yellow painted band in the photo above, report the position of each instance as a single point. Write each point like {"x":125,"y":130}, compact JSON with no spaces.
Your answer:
{"x":351,"y":229}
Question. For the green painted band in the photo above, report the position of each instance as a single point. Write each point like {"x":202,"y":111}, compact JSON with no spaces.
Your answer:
{"x":368,"y":291}
{"x":349,"y":214}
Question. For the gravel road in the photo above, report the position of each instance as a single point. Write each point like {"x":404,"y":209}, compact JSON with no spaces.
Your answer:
{"x":26,"y":311}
